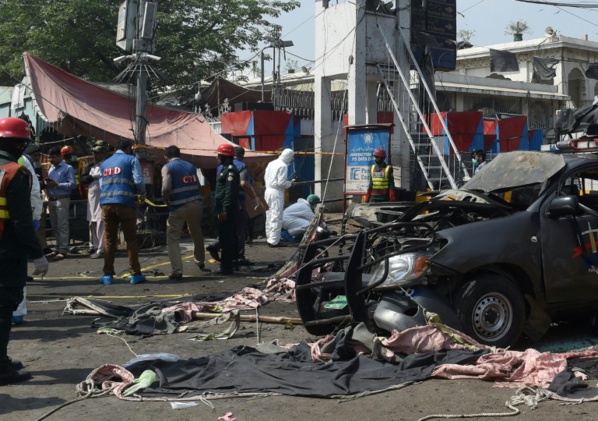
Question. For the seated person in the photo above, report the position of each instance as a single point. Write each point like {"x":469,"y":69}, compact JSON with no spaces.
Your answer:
{"x":297,"y":217}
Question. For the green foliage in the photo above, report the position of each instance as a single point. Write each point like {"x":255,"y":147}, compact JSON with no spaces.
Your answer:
{"x":519,"y":27}
{"x":197,"y":39}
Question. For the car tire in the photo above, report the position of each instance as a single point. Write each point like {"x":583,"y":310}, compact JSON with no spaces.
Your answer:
{"x":491,"y":309}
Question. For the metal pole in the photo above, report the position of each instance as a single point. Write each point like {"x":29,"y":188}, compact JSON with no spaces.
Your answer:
{"x":141,"y":97}
{"x":140,"y":120}
{"x":262,"y":67}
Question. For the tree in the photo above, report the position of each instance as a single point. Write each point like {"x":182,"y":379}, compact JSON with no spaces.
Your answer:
{"x":197,"y":39}
{"x":465,"y":35}
{"x":517,"y":28}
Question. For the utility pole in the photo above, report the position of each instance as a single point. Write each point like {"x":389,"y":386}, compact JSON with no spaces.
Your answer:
{"x":136,"y":34}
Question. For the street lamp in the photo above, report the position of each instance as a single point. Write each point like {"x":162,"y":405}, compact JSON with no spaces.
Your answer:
{"x":274,"y":44}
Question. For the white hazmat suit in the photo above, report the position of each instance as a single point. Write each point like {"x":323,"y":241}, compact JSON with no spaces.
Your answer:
{"x":297,"y":217}
{"x":276,"y":178}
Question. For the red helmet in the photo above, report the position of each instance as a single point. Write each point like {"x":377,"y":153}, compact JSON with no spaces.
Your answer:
{"x":380,"y":152}
{"x":14,"y":128}
{"x":66,"y":150}
{"x":226,"y":149}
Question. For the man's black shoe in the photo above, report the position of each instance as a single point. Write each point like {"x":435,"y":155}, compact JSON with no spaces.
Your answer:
{"x":280,"y":244}
{"x":175,"y":276}
{"x":243,"y":261}
{"x":203,"y":267}
{"x":16,"y":364}
{"x":213,"y":252}
{"x":8,"y":375}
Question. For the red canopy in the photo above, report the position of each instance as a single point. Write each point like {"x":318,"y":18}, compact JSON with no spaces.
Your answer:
{"x":75,"y":107}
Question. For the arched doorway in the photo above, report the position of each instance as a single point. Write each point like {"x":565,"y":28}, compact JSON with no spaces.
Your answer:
{"x":577,"y":85}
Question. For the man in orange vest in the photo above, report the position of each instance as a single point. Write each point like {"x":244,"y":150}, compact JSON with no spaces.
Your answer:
{"x":17,"y":237}
{"x":382,"y":184}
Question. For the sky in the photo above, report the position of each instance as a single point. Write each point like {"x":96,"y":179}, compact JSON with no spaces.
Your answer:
{"x":488,"y":19}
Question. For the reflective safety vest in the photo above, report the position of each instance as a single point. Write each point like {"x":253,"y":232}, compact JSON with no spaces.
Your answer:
{"x":7,"y":173}
{"x":380,"y":180}
{"x":117,"y":180}
{"x":185,"y":185}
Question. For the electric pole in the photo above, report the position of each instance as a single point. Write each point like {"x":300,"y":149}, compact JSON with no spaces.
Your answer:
{"x":136,"y":34}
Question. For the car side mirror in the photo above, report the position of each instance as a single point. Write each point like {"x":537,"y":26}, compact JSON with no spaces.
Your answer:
{"x":564,"y":206}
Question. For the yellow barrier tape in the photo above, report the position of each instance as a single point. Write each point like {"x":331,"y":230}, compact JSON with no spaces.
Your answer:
{"x":112,"y":297}
{"x":149,"y":202}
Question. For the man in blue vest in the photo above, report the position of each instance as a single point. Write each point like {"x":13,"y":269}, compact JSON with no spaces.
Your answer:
{"x":122,"y":183}
{"x":180,"y":191}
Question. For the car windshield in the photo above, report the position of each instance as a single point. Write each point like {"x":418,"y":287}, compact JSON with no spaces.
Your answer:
{"x":516,"y":170}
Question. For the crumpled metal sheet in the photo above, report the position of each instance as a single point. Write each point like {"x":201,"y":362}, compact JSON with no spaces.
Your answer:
{"x":515,"y":169}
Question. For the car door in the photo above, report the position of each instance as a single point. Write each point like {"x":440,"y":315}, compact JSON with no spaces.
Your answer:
{"x":570,"y":244}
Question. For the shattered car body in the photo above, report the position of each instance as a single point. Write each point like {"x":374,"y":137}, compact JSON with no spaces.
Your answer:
{"x":513,"y":249}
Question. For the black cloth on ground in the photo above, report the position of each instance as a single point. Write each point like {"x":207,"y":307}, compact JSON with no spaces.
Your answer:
{"x":246,"y":370}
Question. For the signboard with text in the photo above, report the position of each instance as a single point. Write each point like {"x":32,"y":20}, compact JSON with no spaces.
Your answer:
{"x":361,"y":144}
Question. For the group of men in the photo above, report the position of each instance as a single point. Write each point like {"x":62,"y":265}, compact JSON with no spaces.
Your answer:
{"x":115,"y":187}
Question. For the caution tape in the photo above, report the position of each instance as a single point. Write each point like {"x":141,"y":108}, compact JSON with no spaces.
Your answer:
{"x":149,"y":202}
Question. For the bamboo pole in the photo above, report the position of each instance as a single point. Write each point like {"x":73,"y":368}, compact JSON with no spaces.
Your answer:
{"x":252,"y":318}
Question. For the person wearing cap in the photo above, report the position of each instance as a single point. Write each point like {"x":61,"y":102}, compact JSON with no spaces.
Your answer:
{"x":297,"y":217}
{"x":382,"y":184}
{"x":181,"y":192}
{"x":122,"y":186}
{"x":68,"y":156}
{"x":246,"y":181}
{"x":91,"y":179}
{"x":17,"y":238}
{"x":276,"y":179}
{"x":59,"y":184}
{"x":226,"y":207}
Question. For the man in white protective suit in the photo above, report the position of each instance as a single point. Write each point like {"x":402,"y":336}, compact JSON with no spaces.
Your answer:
{"x":276,"y":179}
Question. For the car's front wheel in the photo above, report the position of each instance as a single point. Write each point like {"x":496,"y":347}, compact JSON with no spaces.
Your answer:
{"x":492,"y":309}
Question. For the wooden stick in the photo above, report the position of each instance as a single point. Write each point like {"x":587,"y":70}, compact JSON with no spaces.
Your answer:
{"x":252,"y":318}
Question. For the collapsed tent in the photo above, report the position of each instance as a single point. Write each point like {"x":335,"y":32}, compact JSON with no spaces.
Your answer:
{"x":76,"y":107}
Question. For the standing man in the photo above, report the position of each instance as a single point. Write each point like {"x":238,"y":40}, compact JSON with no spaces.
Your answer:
{"x":241,"y":222}
{"x":382,"y":183}
{"x":60,"y":183}
{"x":276,"y":178}
{"x":91,"y":178}
{"x":17,"y":238}
{"x":181,"y":192}
{"x":35,"y":153}
{"x":121,"y":181}
{"x":227,"y":207}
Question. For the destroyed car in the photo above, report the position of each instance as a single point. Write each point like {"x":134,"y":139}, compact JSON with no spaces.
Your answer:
{"x":511,"y":251}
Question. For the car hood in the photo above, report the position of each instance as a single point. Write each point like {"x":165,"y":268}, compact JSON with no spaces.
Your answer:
{"x":515,"y":169}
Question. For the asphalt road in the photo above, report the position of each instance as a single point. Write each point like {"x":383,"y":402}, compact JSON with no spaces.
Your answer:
{"x":61,"y":350}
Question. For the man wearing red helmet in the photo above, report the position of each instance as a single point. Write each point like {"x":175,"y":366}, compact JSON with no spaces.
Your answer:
{"x":382,"y":184}
{"x":17,"y":237}
{"x":227,"y":207}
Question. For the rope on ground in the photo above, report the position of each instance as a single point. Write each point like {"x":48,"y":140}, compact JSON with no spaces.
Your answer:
{"x":122,"y":339}
{"x":84,"y":390}
{"x":480,"y":415}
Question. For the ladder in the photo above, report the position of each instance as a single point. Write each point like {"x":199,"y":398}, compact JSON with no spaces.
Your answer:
{"x":433,"y":162}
